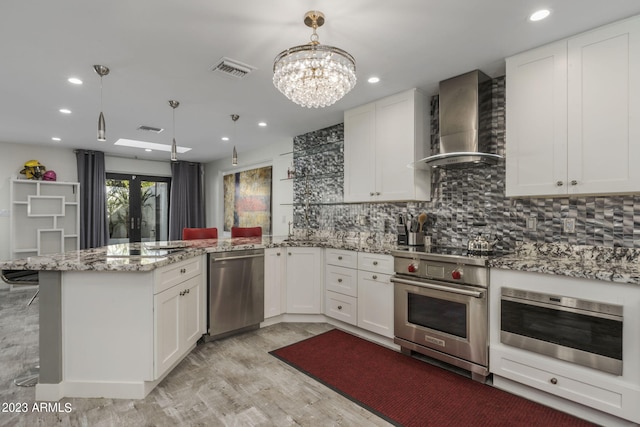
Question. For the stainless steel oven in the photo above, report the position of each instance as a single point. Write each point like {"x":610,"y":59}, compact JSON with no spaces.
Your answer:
{"x":440,"y":309}
{"x":584,"y":332}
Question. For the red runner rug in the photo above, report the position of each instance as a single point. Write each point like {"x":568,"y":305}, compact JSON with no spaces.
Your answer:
{"x":409,"y":392}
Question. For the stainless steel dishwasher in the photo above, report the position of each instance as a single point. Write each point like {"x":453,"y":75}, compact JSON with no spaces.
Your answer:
{"x":235,"y":292}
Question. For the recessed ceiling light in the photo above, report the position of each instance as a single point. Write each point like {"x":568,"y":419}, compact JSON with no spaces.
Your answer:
{"x":148,"y":149}
{"x":374,"y":79}
{"x":148,"y":145}
{"x":55,"y":138}
{"x":74,"y":80}
{"x":225,"y":138}
{"x":65,"y":111}
{"x":539,"y":15}
{"x":262,"y":124}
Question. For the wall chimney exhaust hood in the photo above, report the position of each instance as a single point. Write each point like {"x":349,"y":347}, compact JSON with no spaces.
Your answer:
{"x":465,"y":123}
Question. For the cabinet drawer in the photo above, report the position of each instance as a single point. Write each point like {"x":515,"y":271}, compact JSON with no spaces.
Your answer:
{"x":604,"y":397}
{"x":375,"y":262}
{"x":342,"y":280}
{"x":173,"y":274}
{"x":341,"y":307}
{"x":342,"y":258}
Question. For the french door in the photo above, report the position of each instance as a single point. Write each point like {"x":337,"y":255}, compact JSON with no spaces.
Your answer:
{"x":137,"y":208}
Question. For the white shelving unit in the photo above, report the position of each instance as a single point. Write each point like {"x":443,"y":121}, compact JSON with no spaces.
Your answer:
{"x":45,"y":217}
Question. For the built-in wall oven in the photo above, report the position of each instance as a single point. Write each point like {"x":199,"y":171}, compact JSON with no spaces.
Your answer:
{"x":440,"y":308}
{"x":584,"y":332}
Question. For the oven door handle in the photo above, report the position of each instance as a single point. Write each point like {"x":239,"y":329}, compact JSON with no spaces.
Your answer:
{"x":475,"y":294}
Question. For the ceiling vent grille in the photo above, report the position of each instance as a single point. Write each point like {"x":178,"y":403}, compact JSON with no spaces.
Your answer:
{"x":233,"y":68}
{"x":150,"y":129}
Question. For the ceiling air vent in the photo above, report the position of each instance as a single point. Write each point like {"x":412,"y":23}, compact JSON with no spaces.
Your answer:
{"x":233,"y":68}
{"x":150,"y":129}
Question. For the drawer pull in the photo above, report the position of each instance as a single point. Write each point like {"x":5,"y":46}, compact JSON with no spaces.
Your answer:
{"x":183,"y":270}
{"x":278,"y":254}
{"x":375,"y":262}
{"x":339,"y":307}
{"x":340,"y":258}
{"x":181,"y":293}
{"x":375,"y":277}
{"x":339,"y":280}
{"x":553,"y":381}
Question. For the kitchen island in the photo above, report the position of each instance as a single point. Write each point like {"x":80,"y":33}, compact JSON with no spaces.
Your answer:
{"x":115,"y":320}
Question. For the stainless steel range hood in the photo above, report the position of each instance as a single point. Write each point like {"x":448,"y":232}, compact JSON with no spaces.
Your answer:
{"x":465,"y":122}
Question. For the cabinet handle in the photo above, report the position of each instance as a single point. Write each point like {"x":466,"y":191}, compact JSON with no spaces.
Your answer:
{"x":339,"y":280}
{"x":574,"y":182}
{"x":289,"y":253}
{"x":340,"y":258}
{"x":278,"y":254}
{"x":377,"y":193}
{"x":559,"y":184}
{"x":375,"y":262}
{"x":183,"y":270}
{"x":187,"y":291}
{"x":372,"y":194}
{"x":553,"y":381}
{"x":181,"y":293}
{"x":375,"y":277}
{"x":339,"y":307}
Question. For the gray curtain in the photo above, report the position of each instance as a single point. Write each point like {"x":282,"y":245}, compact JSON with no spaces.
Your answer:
{"x":186,"y":202}
{"x":93,"y":199}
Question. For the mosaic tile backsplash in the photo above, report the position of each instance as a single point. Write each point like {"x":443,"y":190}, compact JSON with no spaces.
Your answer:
{"x":464,"y":202}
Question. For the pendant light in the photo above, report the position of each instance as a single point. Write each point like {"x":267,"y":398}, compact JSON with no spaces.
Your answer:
{"x":314,"y":75}
{"x":234,"y":156}
{"x":102,"y":128}
{"x":174,"y":147}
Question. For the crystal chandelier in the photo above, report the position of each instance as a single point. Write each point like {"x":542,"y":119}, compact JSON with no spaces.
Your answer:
{"x":314,"y":75}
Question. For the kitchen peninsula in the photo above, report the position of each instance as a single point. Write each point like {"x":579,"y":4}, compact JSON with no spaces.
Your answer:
{"x":115,"y":320}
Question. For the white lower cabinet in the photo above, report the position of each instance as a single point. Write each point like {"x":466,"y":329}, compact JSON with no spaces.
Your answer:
{"x":275,"y":271}
{"x":375,"y":293}
{"x":179,"y":322}
{"x":341,"y":285}
{"x":359,"y":290}
{"x":304,"y":280}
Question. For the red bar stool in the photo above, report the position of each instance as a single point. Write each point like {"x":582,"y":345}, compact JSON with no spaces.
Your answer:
{"x":199,"y":233}
{"x":246,"y":231}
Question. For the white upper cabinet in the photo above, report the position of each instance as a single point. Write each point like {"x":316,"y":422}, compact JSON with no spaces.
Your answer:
{"x":572,"y":115}
{"x":536,"y":99}
{"x":380,"y":140}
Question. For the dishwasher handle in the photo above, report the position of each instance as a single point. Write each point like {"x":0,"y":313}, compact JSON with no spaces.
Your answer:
{"x":236,"y":257}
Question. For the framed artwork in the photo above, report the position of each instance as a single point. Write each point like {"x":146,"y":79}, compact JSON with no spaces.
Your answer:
{"x":247,"y":199}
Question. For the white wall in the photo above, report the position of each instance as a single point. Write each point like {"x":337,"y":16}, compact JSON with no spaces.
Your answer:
{"x":282,"y":191}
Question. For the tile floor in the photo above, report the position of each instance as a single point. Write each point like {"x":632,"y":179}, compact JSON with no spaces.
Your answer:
{"x":231,"y":382}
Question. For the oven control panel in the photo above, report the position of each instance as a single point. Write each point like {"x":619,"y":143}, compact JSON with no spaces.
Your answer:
{"x":442,"y":271}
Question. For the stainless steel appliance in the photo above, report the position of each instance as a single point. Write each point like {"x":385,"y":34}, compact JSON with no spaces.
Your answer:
{"x":440,"y":306}
{"x":235,"y":292}
{"x":465,"y":122}
{"x":585,"y":332}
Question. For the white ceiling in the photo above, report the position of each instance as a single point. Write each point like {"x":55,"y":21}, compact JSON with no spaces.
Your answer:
{"x":159,"y":50}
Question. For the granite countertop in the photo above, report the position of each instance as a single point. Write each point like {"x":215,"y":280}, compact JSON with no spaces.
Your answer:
{"x":151,"y":255}
{"x":620,"y":265}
